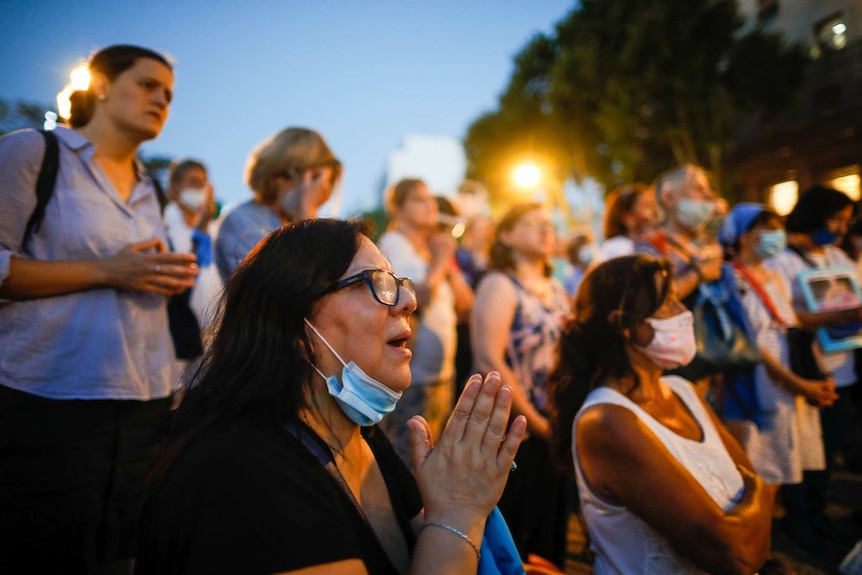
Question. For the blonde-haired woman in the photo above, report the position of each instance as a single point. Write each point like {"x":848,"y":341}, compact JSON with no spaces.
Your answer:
{"x":418,"y":249}
{"x":291,"y":175}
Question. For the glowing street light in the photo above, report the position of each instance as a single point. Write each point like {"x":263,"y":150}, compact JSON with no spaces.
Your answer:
{"x":80,"y":77}
{"x":527,"y":175}
{"x":79,"y":80}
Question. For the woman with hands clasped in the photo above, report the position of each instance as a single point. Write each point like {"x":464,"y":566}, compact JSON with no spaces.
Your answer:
{"x":777,"y":419}
{"x":85,"y":351}
{"x":277,"y":464}
{"x":664,"y":487}
{"x":516,"y":323}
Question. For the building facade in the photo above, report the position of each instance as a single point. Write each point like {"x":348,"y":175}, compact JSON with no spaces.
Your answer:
{"x":820,"y":140}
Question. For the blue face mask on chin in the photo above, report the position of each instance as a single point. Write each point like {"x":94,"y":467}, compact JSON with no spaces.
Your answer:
{"x":771,"y":243}
{"x":361,"y":397}
{"x":824,"y":237}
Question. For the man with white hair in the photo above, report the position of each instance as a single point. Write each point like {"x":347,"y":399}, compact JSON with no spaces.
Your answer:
{"x":689,"y":203}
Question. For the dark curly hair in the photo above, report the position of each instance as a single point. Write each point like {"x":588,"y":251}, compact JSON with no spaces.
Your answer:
{"x":614,"y":297}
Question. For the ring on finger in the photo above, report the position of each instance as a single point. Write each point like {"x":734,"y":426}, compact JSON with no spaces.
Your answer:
{"x":158,"y":269}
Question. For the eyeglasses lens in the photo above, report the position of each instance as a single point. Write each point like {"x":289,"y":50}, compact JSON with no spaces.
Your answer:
{"x":385,"y":287}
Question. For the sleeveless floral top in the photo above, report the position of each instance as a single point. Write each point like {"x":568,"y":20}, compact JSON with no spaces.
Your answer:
{"x":533,"y":339}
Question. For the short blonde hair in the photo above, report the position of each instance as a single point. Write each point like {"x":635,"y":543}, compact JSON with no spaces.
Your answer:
{"x":287,"y":154}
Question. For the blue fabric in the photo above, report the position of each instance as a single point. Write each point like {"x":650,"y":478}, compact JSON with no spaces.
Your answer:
{"x":203,"y":247}
{"x":93,"y":344}
{"x":738,"y":221}
{"x":241,"y":230}
{"x":499,"y":554}
{"x":739,"y":397}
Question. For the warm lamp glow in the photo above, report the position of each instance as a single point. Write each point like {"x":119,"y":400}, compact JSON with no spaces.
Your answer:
{"x":80,"y":78}
{"x":782,"y":197}
{"x":64,"y":106}
{"x":527,"y":176}
{"x":849,"y":184}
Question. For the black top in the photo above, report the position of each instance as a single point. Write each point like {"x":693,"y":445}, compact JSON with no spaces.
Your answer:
{"x":249,"y":499}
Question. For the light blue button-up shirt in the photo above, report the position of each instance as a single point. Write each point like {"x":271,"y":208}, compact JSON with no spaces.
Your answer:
{"x":94,"y":344}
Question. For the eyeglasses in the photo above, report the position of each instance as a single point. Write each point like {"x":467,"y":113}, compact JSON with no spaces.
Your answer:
{"x":384,"y":286}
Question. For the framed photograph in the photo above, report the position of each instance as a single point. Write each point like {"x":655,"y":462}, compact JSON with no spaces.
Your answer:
{"x":831,"y":289}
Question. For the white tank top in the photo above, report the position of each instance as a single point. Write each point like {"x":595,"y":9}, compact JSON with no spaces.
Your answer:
{"x":623,"y":542}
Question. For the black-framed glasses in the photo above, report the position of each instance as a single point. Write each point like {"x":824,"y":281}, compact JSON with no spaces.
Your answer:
{"x":384,"y":286}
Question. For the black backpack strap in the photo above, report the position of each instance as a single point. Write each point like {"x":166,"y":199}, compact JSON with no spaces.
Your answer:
{"x":45,"y":182}
{"x":161,"y":196}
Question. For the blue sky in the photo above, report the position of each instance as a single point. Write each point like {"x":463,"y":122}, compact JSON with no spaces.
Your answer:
{"x":362,"y":73}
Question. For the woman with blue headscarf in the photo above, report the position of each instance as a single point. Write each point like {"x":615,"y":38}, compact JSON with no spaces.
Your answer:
{"x":776,"y":419}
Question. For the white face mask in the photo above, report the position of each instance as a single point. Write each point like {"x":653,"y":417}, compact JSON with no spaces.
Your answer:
{"x":192,"y":198}
{"x":361,"y":397}
{"x":694,"y":214}
{"x":673,"y":344}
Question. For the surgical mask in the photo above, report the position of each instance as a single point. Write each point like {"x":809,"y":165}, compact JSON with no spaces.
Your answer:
{"x":824,"y":237}
{"x":673,"y":344}
{"x":771,"y":243}
{"x":694,"y":214}
{"x":193,"y":198}
{"x":361,"y":397}
{"x":290,"y":204}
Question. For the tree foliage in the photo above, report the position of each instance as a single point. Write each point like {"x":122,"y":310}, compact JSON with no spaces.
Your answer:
{"x":625,"y":89}
{"x":19,"y":115}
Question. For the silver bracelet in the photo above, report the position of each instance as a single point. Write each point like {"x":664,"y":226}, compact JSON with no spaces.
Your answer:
{"x":460,"y":534}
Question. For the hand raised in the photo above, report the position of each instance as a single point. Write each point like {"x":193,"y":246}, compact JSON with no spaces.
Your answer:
{"x":442,"y":247}
{"x":462,"y":478}
{"x":134,"y":269}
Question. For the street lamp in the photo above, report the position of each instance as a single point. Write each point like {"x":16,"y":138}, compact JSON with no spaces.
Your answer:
{"x":527,"y":175}
{"x":79,"y":80}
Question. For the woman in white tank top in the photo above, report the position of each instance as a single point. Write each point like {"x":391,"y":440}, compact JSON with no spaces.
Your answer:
{"x":664,"y":488}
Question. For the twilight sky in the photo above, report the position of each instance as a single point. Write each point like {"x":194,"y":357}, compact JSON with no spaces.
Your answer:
{"x":365,"y":74}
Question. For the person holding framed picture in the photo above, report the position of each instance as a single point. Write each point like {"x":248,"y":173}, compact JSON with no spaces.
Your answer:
{"x":816,"y":224}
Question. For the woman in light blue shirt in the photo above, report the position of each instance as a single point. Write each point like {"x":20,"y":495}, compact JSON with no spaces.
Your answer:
{"x":85,"y":350}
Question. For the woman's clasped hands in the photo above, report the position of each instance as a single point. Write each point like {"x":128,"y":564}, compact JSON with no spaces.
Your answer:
{"x":149,"y":267}
{"x":462,"y":477}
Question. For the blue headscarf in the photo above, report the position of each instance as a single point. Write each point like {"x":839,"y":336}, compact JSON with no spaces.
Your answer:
{"x":738,"y":221}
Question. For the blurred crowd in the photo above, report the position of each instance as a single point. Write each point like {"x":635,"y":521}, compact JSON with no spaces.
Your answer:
{"x":188,"y":391}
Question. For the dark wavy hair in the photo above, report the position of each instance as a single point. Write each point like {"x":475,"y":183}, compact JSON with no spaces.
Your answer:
{"x":178,"y":168}
{"x":257,"y":367}
{"x":593,"y":345}
{"x":501,"y":256}
{"x":814,"y":207}
{"x":111,"y":61}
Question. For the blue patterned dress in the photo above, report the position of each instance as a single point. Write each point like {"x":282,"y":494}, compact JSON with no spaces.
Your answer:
{"x":535,"y":502}
{"x":533,"y":340}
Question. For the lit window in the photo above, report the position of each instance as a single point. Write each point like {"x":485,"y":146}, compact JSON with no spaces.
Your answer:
{"x":782,"y":197}
{"x":831,"y":33}
{"x":849,"y":184}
